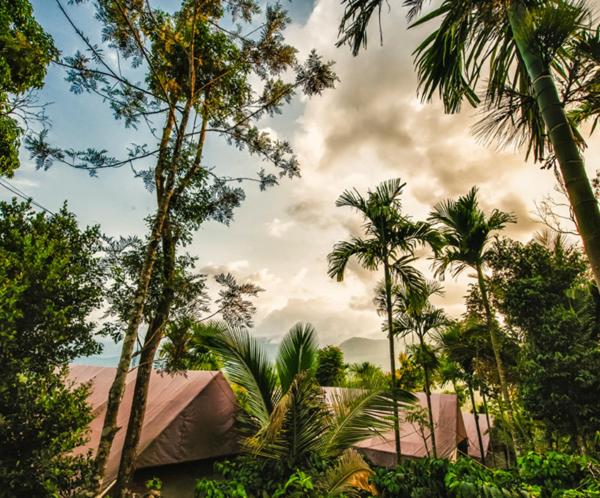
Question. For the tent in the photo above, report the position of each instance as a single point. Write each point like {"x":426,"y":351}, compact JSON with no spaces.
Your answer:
{"x":450,"y":433}
{"x":189,"y":417}
{"x":472,"y":434}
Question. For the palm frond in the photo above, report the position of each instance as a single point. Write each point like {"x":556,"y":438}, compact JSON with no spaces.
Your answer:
{"x":349,"y":475}
{"x":366,"y":252}
{"x":245,"y":364}
{"x":297,"y":353}
{"x":296,"y":426}
{"x":355,"y":22}
{"x":359,"y":414}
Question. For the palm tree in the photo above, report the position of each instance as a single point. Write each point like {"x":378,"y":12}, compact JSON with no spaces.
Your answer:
{"x":389,"y":242}
{"x":460,"y":343}
{"x":536,"y":61}
{"x":466,"y":233}
{"x":287,"y":416}
{"x":414,"y":314}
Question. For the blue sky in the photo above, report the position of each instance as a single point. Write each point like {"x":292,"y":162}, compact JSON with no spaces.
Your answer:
{"x":370,"y":128}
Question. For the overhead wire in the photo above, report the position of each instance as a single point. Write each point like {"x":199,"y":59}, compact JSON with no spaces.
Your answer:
{"x":18,"y":192}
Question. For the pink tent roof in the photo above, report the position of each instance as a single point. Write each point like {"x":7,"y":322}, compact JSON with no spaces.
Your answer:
{"x":188,"y":417}
{"x":469,"y":420}
{"x":449,"y":432}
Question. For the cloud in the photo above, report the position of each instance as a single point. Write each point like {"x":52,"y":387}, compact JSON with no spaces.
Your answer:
{"x":277,"y":228}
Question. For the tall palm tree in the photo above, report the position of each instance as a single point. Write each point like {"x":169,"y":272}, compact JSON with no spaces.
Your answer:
{"x":466,"y":233}
{"x":287,"y":416}
{"x":414,"y":314}
{"x":389,"y":241}
{"x":533,"y":58}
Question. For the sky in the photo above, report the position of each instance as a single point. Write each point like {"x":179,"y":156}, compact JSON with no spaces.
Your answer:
{"x":370,"y":128}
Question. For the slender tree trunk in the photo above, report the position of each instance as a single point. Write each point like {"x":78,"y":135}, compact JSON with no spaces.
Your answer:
{"x":489,"y":425}
{"x":570,"y":160}
{"x":144,"y":370}
{"x":496,"y":348}
{"x":115,"y":395}
{"x":428,"y":398}
{"x":117,"y":388}
{"x":390,"y":320}
{"x":476,"y":418}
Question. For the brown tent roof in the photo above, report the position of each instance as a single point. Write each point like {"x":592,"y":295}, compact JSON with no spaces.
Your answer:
{"x":188,"y":417}
{"x":469,"y":420}
{"x":449,"y":433}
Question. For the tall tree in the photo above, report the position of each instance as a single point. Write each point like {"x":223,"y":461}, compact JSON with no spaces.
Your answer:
{"x":198,"y":83}
{"x":50,"y":281}
{"x":539,"y":64}
{"x":542,"y":290}
{"x":25,"y":52}
{"x":390,"y":241}
{"x":414,"y":314}
{"x":466,"y":232}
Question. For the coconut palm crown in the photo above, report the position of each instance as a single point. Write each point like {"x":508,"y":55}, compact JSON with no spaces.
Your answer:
{"x":466,"y":232}
{"x":286,"y":415}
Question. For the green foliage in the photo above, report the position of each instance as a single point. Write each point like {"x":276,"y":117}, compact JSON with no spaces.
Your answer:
{"x":247,"y":477}
{"x":414,"y":479}
{"x":50,"y":281}
{"x":368,"y":376}
{"x":541,"y":289}
{"x":551,"y":475}
{"x":25,"y":52}
{"x":331,"y":368}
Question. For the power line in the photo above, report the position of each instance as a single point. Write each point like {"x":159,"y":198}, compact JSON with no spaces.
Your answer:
{"x":23,"y":195}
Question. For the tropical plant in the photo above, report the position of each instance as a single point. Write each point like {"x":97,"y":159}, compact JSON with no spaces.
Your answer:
{"x":331,"y":370}
{"x":389,"y":242}
{"x":414,"y":314}
{"x":288,"y":417}
{"x":539,"y":65}
{"x":461,"y":341}
{"x":466,"y":233}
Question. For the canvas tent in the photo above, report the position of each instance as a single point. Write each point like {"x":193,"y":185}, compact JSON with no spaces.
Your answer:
{"x":450,"y":433}
{"x":189,"y":417}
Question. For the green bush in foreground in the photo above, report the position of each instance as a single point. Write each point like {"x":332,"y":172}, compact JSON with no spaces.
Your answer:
{"x":552,"y":475}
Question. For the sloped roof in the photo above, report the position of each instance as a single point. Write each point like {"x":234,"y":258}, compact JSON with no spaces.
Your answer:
{"x":189,"y":416}
{"x":449,"y":432}
{"x":469,"y":420}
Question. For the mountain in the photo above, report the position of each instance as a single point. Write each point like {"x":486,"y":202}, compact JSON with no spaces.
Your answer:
{"x":359,"y":349}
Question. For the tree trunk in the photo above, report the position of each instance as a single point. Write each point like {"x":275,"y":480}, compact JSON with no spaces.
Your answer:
{"x":476,"y":418}
{"x":489,"y":425}
{"x":115,"y":395}
{"x":144,"y":371}
{"x":428,"y":397}
{"x":390,"y":320}
{"x":496,"y":347}
{"x":564,"y":144}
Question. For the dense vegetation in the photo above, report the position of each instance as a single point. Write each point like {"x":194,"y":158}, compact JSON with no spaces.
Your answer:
{"x":524,"y":355}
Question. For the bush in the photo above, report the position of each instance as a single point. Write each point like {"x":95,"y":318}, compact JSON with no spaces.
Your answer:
{"x":552,"y":475}
{"x":413,"y":479}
